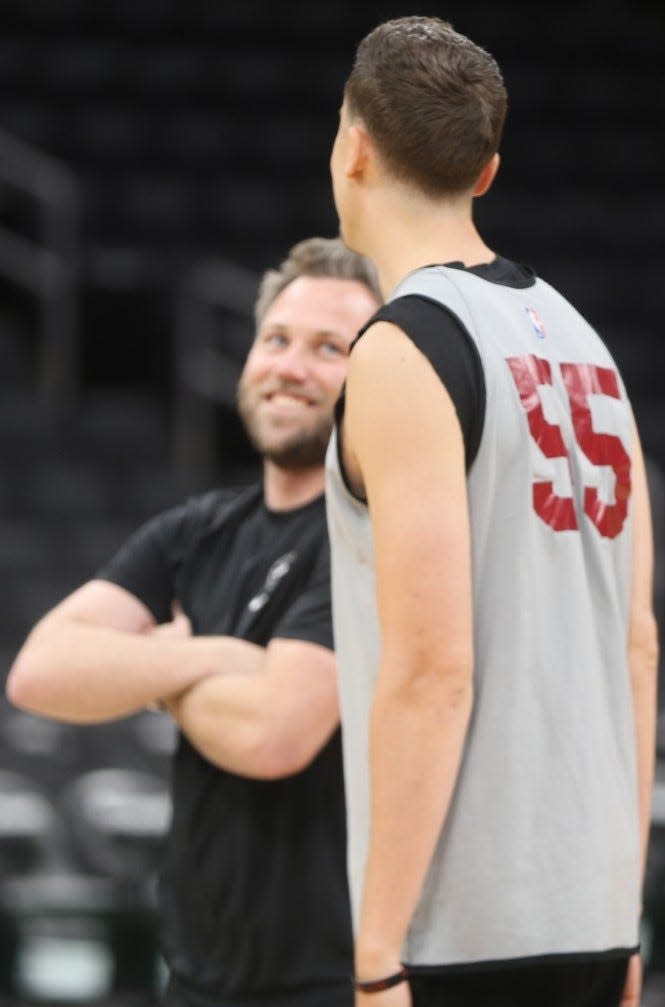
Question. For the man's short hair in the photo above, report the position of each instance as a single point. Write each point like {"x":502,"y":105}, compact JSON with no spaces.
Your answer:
{"x":319,"y":257}
{"x":433,"y":102}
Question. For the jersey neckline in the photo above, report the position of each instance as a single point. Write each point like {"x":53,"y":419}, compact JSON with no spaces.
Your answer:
{"x":500,"y":270}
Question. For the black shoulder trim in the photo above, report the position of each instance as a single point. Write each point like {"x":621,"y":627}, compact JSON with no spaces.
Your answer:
{"x":503,"y":272}
{"x":446,"y":342}
{"x":339,"y":423}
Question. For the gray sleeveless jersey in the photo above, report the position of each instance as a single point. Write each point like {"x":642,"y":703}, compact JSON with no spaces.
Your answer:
{"x":539,"y":854}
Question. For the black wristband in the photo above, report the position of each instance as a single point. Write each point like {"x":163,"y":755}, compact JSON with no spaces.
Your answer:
{"x":378,"y":985}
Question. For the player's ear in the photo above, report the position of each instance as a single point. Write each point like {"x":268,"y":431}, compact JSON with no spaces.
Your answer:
{"x":358,"y":151}
{"x":487,"y":176}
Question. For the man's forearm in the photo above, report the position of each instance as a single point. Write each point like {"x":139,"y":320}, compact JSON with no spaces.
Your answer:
{"x":643,"y":658}
{"x":233,"y":720}
{"x":269,"y":716}
{"x":643,"y":642}
{"x":80,"y":672}
{"x":416,"y":745}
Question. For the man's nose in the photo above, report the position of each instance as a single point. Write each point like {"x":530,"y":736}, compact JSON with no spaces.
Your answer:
{"x":292,"y":364}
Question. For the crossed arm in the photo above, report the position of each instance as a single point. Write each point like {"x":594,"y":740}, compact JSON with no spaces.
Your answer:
{"x":99,"y":655}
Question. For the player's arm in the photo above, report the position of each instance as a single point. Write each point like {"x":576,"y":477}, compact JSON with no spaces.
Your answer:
{"x":270,"y":724}
{"x":93,"y":658}
{"x":643,"y":640}
{"x":403,"y":441}
{"x":643,"y":664}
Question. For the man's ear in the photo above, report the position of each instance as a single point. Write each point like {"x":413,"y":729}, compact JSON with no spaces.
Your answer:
{"x":487,"y":176}
{"x":358,"y":152}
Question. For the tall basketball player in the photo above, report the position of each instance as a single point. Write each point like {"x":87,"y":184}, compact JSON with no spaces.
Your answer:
{"x":491,"y":576}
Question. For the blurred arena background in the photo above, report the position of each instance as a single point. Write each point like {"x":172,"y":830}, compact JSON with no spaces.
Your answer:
{"x":155,"y":157}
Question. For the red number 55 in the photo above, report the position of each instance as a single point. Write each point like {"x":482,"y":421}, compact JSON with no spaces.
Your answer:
{"x":581,"y":381}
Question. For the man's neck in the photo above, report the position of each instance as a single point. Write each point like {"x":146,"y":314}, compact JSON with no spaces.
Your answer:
{"x":286,"y":489}
{"x":419,"y":233}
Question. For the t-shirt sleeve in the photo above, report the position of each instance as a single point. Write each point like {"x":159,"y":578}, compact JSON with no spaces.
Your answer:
{"x":451,"y":351}
{"x":145,"y":565}
{"x":309,"y":617}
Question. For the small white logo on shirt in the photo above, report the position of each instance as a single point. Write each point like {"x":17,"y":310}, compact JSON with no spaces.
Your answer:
{"x":277,"y":571}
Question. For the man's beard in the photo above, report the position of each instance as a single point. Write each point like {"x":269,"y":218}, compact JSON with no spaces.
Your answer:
{"x":303,"y":449}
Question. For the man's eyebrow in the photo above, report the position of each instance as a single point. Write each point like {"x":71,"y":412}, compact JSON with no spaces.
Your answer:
{"x":317,"y":333}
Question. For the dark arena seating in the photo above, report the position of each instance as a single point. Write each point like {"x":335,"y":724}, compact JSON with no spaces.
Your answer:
{"x":155,"y":157}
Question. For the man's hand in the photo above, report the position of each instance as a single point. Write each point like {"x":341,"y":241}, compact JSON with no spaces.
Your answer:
{"x":179,"y":628}
{"x":633,"y":985}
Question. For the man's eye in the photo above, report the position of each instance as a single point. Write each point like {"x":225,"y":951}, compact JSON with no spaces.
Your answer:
{"x":332,"y":349}
{"x":275,"y":339}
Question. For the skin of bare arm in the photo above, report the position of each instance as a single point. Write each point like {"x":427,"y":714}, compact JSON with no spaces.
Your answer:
{"x":262,"y":712}
{"x":94,"y":657}
{"x":270,"y":724}
{"x":643,"y":664}
{"x":401,"y":430}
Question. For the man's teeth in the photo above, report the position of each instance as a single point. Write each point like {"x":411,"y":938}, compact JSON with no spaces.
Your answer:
{"x":291,"y":401}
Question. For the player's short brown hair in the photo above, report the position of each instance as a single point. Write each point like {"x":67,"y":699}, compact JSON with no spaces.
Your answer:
{"x":432,"y":100}
{"x":320,"y":257}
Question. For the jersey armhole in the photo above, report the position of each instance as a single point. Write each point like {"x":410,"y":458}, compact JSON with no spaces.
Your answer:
{"x":452,"y":352}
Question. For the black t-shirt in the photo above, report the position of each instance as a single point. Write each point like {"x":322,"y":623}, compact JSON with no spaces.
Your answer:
{"x":253,"y":893}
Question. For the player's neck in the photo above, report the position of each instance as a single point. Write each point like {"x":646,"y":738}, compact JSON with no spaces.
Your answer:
{"x":286,"y":489}
{"x":422,"y":234}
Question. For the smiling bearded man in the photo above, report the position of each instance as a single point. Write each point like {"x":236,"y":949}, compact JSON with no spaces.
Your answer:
{"x":253,"y":895}
{"x":296,"y":366}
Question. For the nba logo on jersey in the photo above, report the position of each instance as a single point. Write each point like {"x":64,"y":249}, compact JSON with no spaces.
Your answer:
{"x":534,"y":318}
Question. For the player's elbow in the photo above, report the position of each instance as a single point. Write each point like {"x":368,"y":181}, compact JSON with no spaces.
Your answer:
{"x":423,"y":672}
{"x":455,"y":695}
{"x":643,"y":646}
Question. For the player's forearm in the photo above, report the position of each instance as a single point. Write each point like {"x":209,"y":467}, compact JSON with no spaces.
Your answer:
{"x":643,"y":660}
{"x":416,"y":743}
{"x":79,"y":672}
